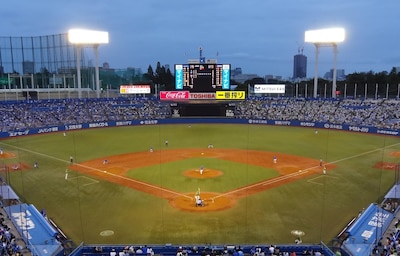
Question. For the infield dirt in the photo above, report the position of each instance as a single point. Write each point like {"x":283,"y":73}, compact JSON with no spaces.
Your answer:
{"x":290,"y":168}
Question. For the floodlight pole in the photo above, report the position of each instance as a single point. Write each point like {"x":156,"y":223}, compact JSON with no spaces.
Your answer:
{"x":316,"y":71}
{"x":82,"y":38}
{"x":78,"y":69}
{"x":334,"y":70}
{"x":96,"y":70}
{"x":317,"y":46}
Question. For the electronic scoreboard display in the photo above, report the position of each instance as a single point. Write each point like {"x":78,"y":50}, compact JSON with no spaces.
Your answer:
{"x":202,"y":77}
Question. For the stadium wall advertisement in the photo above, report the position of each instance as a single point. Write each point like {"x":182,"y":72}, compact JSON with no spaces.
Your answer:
{"x":295,"y":123}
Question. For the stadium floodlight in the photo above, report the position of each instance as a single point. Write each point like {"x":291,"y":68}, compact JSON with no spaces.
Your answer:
{"x":325,"y":37}
{"x":84,"y":37}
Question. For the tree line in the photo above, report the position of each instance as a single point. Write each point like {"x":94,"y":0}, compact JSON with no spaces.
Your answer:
{"x":164,"y":79}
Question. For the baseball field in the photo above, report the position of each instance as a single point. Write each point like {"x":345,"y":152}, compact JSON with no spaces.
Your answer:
{"x":119,"y":191}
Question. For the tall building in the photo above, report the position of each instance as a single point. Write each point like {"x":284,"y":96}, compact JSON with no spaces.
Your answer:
{"x":300,"y":66}
{"x":28,"y":67}
{"x":340,"y":74}
{"x":236,"y":71}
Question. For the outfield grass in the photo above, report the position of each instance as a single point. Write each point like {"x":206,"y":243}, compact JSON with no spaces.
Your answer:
{"x":319,"y":205}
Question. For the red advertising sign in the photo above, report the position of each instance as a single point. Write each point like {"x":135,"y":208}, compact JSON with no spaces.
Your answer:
{"x":174,"y":95}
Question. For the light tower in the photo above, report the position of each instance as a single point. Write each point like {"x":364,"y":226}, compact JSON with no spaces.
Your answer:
{"x":82,"y":38}
{"x":325,"y":37}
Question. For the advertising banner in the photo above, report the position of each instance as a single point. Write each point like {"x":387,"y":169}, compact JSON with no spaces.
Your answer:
{"x":174,"y":95}
{"x":230,"y":95}
{"x":135,"y":89}
{"x":269,"y":88}
{"x":202,"y":96}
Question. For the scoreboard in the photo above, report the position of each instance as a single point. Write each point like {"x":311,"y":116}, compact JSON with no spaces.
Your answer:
{"x":202,"y":77}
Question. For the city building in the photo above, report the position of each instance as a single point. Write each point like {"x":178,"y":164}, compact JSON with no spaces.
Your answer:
{"x":300,"y":66}
{"x":236,"y":71}
{"x":340,"y":74}
{"x":241,"y":78}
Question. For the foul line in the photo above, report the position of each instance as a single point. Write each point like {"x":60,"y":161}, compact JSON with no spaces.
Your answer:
{"x":267,"y":182}
{"x":98,"y":170}
{"x":134,"y":181}
{"x":288,"y":176}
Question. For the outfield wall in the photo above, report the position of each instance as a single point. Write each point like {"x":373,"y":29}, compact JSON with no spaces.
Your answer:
{"x":294,"y":123}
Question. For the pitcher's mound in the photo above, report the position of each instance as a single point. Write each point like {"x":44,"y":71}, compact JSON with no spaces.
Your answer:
{"x":207,"y":173}
{"x":212,"y":202}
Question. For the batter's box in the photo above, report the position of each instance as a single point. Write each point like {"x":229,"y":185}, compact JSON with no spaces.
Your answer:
{"x":319,"y":180}
{"x":83,"y":180}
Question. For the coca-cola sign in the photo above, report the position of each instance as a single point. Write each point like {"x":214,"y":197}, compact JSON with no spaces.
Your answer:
{"x":174,"y":95}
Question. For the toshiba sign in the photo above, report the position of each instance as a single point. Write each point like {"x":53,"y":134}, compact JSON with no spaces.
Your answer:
{"x":174,"y":95}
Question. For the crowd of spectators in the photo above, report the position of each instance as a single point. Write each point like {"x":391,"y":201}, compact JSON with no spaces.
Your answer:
{"x":390,"y":244}
{"x":375,"y":113}
{"x":21,"y":115}
{"x":36,"y":114}
{"x":8,"y":240}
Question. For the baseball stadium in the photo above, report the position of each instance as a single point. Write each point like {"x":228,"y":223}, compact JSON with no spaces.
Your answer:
{"x":185,"y":172}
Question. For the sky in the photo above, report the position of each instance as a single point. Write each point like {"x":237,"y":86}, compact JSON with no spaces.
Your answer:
{"x":259,"y":36}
